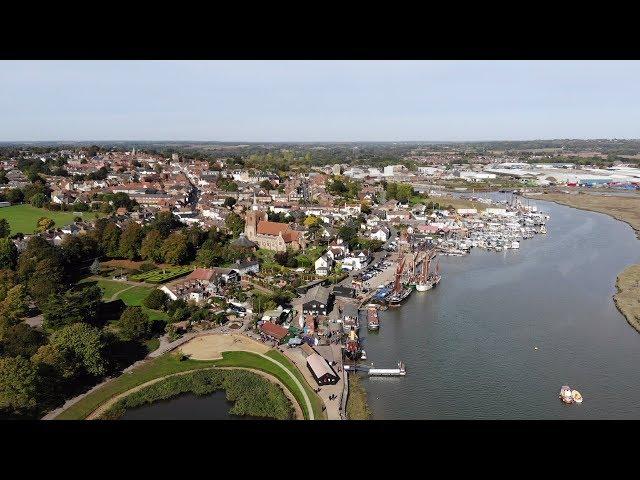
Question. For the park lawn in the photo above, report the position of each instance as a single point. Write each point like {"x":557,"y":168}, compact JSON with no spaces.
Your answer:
{"x":170,"y":363}
{"x":23,"y":218}
{"x":316,"y":401}
{"x":133,"y":296}
{"x":109,"y":287}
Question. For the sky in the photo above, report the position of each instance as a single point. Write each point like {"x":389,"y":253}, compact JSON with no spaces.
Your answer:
{"x":314,"y":101}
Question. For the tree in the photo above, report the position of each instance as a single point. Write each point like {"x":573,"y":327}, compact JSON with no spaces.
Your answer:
{"x":39,"y":199}
{"x":44,"y":224}
{"x":22,"y":340}
{"x":266,"y":184}
{"x":229,"y":202}
{"x":134,"y":324}
{"x":111,"y":240}
{"x":165,"y":222}
{"x":175,"y":249}
{"x":47,"y":279}
{"x":15,"y":195}
{"x":156,"y":300}
{"x":8,"y":254}
{"x":81,"y":349}
{"x":71,"y":307}
{"x":131,"y":241}
{"x":8,"y":279}
{"x":234,"y":223}
{"x":14,"y":305}
{"x":19,"y":386}
{"x":151,"y":247}
{"x":5,"y":228}
{"x":95,"y":267}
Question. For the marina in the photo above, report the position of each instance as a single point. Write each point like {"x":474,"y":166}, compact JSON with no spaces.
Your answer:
{"x":494,"y":333}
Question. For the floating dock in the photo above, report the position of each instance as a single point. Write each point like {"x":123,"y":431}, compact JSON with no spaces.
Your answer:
{"x":378,"y":372}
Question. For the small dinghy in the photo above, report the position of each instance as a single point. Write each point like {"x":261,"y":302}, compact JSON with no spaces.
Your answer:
{"x":575,"y":394}
{"x":565,"y":394}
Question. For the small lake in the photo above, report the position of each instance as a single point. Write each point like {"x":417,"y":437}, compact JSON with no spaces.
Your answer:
{"x":187,"y":406}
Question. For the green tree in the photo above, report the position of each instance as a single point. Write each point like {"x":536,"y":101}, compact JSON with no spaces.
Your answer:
{"x":14,"y":305}
{"x":175,"y":249}
{"x":8,"y":254}
{"x":134,"y":324}
{"x":20,"y":386}
{"x":15,"y":195}
{"x":151,"y":247}
{"x":39,"y":199}
{"x":234,"y":223}
{"x":47,"y":279}
{"x":81,"y":349}
{"x":5,"y":228}
{"x":22,"y":340}
{"x":131,"y":241}
{"x":229,"y":202}
{"x":111,"y":240}
{"x":156,"y":300}
{"x":71,"y":307}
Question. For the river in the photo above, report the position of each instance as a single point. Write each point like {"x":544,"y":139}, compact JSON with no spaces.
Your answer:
{"x":468,"y":345}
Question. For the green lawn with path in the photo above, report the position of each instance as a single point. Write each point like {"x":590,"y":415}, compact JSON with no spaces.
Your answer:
{"x":170,"y":363}
{"x":316,"y":401}
{"x":132,"y":295}
{"x":23,"y":218}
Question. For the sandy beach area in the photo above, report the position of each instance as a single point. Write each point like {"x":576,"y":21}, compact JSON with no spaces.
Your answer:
{"x":210,"y":347}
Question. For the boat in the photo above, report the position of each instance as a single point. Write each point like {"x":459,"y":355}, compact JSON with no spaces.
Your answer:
{"x":575,"y":394}
{"x":543,"y":229}
{"x":565,"y":394}
{"x":515,"y":244}
{"x":352,"y":346}
{"x":423,"y":286}
{"x":373,"y":322}
{"x":363,"y":355}
{"x":398,"y":297}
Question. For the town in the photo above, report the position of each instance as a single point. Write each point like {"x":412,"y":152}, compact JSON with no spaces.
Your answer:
{"x":110,"y":255}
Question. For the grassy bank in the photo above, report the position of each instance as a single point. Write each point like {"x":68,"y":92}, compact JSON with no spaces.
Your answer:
{"x":252,"y":395}
{"x":357,"y":406}
{"x":169,"y":364}
{"x":316,"y":401}
{"x":23,"y":218}
{"x":628,"y":297}
{"x":625,"y":209}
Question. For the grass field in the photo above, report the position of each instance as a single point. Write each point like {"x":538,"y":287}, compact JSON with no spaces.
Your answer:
{"x":23,"y":218}
{"x":316,"y":402}
{"x":109,"y":287}
{"x":168,"y":364}
{"x":131,"y":295}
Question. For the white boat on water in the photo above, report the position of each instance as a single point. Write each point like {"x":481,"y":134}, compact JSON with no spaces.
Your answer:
{"x":363,"y":355}
{"x":543,"y":229}
{"x":423,"y":286}
{"x":515,"y":244}
{"x":566,"y":394}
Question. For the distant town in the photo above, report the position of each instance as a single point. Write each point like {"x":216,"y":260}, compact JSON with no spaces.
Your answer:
{"x":155,"y":259}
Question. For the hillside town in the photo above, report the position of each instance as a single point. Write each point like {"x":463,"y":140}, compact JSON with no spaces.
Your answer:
{"x":165,"y":247}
